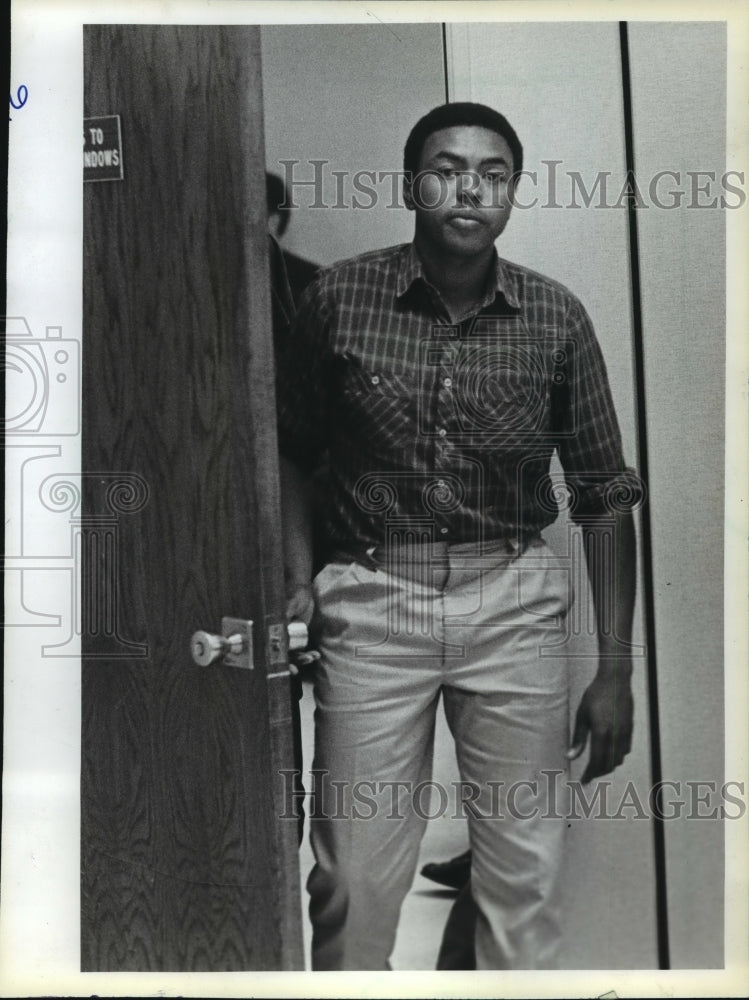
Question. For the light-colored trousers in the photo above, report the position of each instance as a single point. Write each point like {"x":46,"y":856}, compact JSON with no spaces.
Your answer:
{"x":478,"y":630}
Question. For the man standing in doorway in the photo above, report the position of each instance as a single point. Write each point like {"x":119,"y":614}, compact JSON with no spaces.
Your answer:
{"x":441,"y":379}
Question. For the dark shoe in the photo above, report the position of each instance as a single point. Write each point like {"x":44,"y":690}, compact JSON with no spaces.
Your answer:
{"x":454,"y":873}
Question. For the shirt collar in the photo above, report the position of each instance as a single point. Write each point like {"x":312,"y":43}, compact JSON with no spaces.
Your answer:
{"x":411,"y":269}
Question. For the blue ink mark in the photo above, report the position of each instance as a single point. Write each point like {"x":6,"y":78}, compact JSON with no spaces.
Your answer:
{"x":22,"y":95}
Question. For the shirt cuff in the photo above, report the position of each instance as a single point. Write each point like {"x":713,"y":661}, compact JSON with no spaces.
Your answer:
{"x":607,"y":496}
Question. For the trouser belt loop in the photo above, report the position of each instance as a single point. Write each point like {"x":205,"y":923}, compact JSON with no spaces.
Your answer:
{"x":519,"y":543}
{"x":370,"y":559}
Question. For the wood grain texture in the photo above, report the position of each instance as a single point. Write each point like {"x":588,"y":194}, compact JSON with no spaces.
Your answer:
{"x":184,"y":864}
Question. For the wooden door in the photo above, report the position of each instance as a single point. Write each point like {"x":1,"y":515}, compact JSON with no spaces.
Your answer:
{"x":186,"y":861}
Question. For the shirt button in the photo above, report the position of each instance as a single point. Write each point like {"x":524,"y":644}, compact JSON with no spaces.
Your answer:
{"x":443,"y":531}
{"x":447,"y":383}
{"x":442,"y":432}
{"x":375,"y":380}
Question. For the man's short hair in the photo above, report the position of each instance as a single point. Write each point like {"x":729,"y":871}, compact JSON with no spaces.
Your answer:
{"x":459,"y":113}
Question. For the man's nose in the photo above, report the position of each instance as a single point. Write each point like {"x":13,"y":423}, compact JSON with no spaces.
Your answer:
{"x":468,"y":188}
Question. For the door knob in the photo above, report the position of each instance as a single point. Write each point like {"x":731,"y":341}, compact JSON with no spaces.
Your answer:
{"x":206,"y":647}
{"x":234,"y":645}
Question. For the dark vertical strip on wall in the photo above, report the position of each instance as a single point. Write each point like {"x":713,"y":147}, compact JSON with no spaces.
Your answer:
{"x":659,"y":843}
{"x":444,"y":63}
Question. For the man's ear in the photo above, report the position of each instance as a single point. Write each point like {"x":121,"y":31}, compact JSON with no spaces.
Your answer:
{"x":408,"y":195}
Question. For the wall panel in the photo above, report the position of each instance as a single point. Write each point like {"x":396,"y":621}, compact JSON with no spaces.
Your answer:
{"x":679,"y":107}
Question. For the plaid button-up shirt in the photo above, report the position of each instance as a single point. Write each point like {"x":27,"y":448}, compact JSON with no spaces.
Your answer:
{"x":443,"y":431}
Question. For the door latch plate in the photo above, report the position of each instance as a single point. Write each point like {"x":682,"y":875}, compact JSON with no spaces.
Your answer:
{"x":278,"y":644}
{"x":239,"y":626}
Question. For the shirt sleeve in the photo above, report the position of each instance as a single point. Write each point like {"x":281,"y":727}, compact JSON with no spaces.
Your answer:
{"x":303,"y":369}
{"x":590,"y":444}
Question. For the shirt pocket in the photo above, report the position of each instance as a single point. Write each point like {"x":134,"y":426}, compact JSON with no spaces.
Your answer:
{"x":379,"y":406}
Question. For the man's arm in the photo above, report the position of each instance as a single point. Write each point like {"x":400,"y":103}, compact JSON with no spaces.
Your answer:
{"x":302,"y":385}
{"x":606,"y":711}
{"x":296,"y":519}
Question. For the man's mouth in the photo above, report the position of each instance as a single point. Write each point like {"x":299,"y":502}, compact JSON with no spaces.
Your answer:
{"x":466,"y":220}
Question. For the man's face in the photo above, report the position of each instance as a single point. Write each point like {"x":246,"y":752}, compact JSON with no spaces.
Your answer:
{"x":464,"y":174}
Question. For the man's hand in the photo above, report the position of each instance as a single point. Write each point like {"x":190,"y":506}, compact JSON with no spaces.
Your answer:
{"x":606,"y":712}
{"x":296,"y":516}
{"x":300,"y":604}
{"x":299,"y":608}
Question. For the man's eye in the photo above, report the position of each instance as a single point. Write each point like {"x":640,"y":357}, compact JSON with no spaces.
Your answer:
{"x":495,"y":176}
{"x":447,"y":171}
